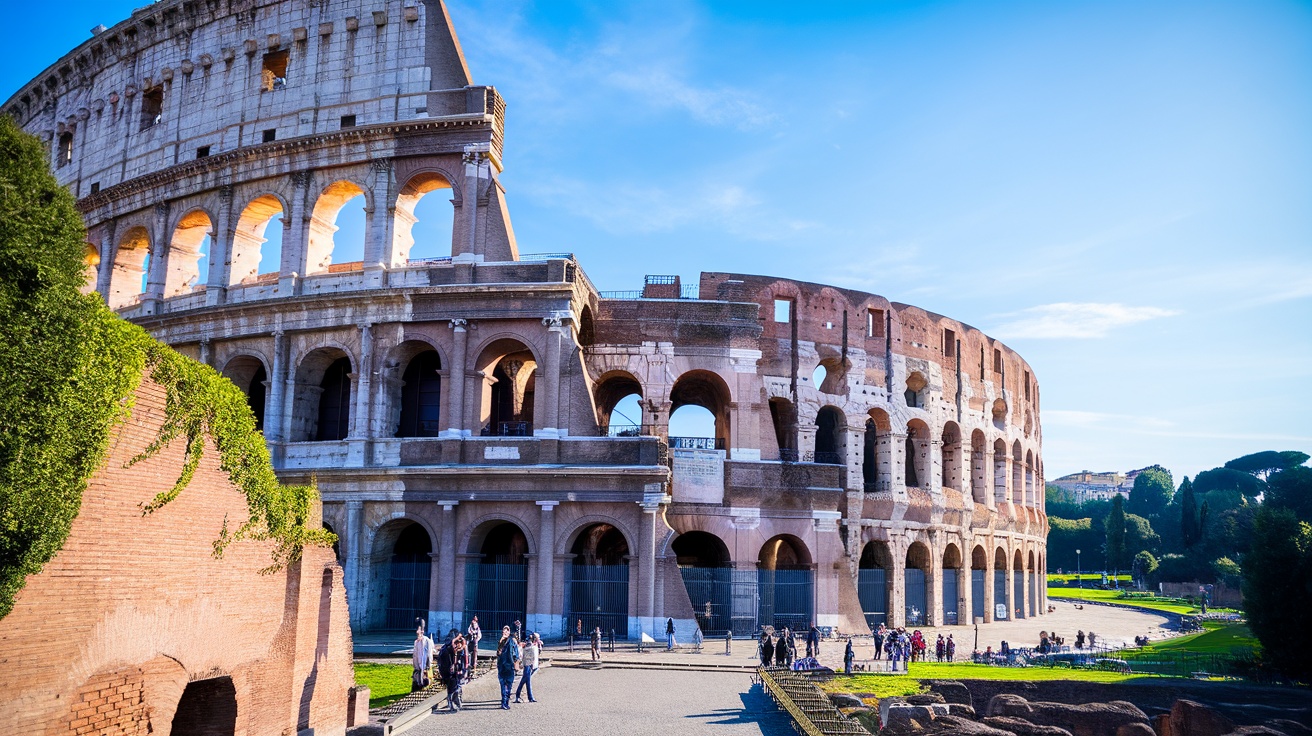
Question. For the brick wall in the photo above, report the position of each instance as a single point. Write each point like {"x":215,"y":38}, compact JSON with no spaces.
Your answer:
{"x":134,"y":608}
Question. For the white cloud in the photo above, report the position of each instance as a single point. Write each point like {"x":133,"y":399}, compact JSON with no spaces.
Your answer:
{"x":1076,"y":320}
{"x":719,"y":106}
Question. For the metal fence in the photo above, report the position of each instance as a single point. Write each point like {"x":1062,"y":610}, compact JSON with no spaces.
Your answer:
{"x":722,"y":599}
{"x":977,"y":593}
{"x":950,"y":601}
{"x":1000,"y":595}
{"x":917,"y":603}
{"x":697,"y":443}
{"x":787,"y":598}
{"x":1018,"y":594}
{"x":597,"y":595}
{"x":497,"y":593}
{"x":872,"y":591}
{"x":407,"y":592}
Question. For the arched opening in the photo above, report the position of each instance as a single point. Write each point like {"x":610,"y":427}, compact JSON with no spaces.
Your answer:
{"x":257,"y":242}
{"x":91,"y":268}
{"x":1032,"y":579}
{"x":340,"y":207}
{"x":829,"y":423}
{"x":1017,"y":474}
{"x":786,"y":584}
{"x":830,"y":376}
{"x":1000,"y":414}
{"x":321,"y":409}
{"x":587,"y":334}
{"x":207,"y":708}
{"x":915,"y":391}
{"x":979,"y":471}
{"x":1000,"y":471}
{"x":979,"y":572}
{"x":188,"y":252}
{"x":420,"y":392}
{"x":916,"y":584}
{"x":496,"y":583}
{"x":424,"y":226}
{"x":708,"y":576}
{"x":337,"y":546}
{"x":619,"y":408}
{"x":1030,"y":499}
{"x":247,"y":372}
{"x":952,"y":456}
{"x":873,"y":583}
{"x":128,"y":280}
{"x":509,"y":385}
{"x":597,"y":583}
{"x":1018,"y":582}
{"x":818,"y":375}
{"x":699,"y":417}
{"x":65,"y":148}
{"x":953,"y":601}
{"x":1000,"y":609}
{"x":784,"y":418}
{"x":877,"y":453}
{"x":400,"y":569}
{"x":917,"y":449}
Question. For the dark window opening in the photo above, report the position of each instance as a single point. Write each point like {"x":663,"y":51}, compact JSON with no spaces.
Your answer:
{"x":335,"y":402}
{"x":95,"y":187}
{"x":274,"y":74}
{"x":869,"y":458}
{"x":348,"y":121}
{"x":65,"y":148}
{"x":875,"y":323}
{"x":828,"y":424}
{"x":981,"y":363}
{"x":270,"y":135}
{"x":255,"y":396}
{"x":207,"y":708}
{"x":421,"y":397}
{"x":152,"y":107}
{"x":1027,"y":385}
{"x":997,"y":361}
{"x":949,"y":344}
{"x":912,"y":397}
{"x":202,"y":151}
{"x":912,"y":480}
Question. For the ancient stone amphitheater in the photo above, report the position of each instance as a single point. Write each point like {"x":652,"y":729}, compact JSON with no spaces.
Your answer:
{"x":491,"y":434}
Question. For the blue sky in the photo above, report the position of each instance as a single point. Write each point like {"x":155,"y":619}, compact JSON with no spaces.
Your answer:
{"x":1122,"y":191}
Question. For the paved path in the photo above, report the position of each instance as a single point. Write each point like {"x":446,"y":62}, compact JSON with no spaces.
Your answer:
{"x":581,"y":702}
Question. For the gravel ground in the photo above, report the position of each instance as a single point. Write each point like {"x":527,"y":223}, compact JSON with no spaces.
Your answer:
{"x":577,"y":702}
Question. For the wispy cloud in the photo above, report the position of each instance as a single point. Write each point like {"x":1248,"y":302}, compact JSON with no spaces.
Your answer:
{"x":1153,"y":427}
{"x":719,"y":106}
{"x":1073,"y":320}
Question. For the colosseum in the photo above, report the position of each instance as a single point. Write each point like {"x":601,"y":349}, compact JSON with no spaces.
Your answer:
{"x":490,"y":434}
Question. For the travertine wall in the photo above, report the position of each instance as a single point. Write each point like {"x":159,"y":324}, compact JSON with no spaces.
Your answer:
{"x":133,"y":610}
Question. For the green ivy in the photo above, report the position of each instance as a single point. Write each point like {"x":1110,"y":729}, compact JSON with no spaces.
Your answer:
{"x":68,"y":370}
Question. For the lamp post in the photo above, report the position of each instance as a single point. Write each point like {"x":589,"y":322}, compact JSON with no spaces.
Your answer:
{"x":1078,"y":580}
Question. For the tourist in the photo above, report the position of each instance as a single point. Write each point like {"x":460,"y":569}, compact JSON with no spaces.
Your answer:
{"x":422,"y":660}
{"x":880,"y":634}
{"x":1093,"y":639}
{"x":446,"y":670}
{"x":531,"y":649}
{"x":767,"y":649}
{"x":596,"y":644}
{"x":669,"y":634}
{"x":952,"y":649}
{"x":697,"y":638}
{"x":473,"y":635}
{"x":460,"y":670}
{"x":813,"y":642}
{"x":518,"y":630}
{"x":507,"y":662}
{"x":781,"y":650}
{"x":848,"y":656}
{"x":1079,"y":639}
{"x":988,"y":654}
{"x":1044,"y":644}
{"x":940,"y":649}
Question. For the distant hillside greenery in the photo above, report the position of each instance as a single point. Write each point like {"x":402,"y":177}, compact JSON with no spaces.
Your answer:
{"x":68,"y":369}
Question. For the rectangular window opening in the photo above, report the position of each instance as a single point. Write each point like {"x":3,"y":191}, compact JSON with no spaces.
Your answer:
{"x":95,"y":187}
{"x":270,"y":135}
{"x":875,"y":323}
{"x":152,"y":107}
{"x":1027,"y":385}
{"x":274,"y":74}
{"x":202,"y":151}
{"x":997,"y":361}
{"x":949,"y":343}
{"x":348,"y":121}
{"x":783,"y":310}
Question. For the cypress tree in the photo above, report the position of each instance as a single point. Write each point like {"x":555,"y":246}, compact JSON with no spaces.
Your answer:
{"x":1188,"y":513}
{"x":1116,"y":534}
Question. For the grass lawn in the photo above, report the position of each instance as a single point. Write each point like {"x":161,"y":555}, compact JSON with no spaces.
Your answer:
{"x":1087,"y":577}
{"x":884,"y":686}
{"x":1170,"y":605}
{"x":1216,"y":638}
{"x":387,"y":683}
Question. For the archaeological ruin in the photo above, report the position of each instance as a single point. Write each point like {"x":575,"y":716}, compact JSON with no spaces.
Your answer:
{"x":490,"y":434}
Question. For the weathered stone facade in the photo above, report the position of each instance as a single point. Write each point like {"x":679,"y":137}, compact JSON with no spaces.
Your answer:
{"x":456,"y":412}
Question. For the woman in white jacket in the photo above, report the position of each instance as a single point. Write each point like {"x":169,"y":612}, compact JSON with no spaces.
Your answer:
{"x":531,"y":649}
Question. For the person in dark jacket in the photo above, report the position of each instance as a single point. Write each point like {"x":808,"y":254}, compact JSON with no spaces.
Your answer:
{"x":848,"y":656}
{"x":446,"y":659}
{"x":507,"y":658}
{"x":781,"y":650}
{"x":767,"y":650}
{"x":813,"y":642}
{"x":669,"y":634}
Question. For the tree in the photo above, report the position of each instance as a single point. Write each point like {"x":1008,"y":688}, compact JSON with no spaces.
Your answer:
{"x":1291,"y":489}
{"x":1277,"y":574}
{"x":1067,"y":535}
{"x":1189,"y":529}
{"x":1152,"y":492}
{"x":1144,"y":564}
{"x":1139,"y":536}
{"x":1228,"y":479}
{"x":1263,"y":464}
{"x":1227,"y":570}
{"x":1115,"y":526}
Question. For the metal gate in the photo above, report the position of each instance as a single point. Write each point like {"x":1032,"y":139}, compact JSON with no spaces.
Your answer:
{"x":407,"y":590}
{"x":497,"y":593}
{"x":787,"y":598}
{"x":1034,"y":595}
{"x":950,"y":601}
{"x":1019,"y":599}
{"x":723,"y":599}
{"x":1000,"y":596}
{"x":916,"y":604}
{"x":872,"y":591}
{"x":597,"y":595}
{"x":977,"y":593}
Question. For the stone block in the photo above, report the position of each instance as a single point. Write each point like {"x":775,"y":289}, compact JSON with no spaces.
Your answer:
{"x":1022,"y":727}
{"x":1195,"y":719}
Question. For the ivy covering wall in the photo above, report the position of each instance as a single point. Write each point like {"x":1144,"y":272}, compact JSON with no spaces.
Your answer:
{"x":68,"y":370}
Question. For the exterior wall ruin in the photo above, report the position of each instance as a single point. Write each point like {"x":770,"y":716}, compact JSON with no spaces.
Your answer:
{"x":902,"y":488}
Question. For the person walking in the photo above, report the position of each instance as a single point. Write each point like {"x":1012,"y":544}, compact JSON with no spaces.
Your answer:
{"x":596,"y":644}
{"x":472,"y":636}
{"x":767,"y":650}
{"x":507,"y":661}
{"x":813,"y":642}
{"x":422,"y":660}
{"x":952,"y":649}
{"x":792,"y":646}
{"x":531,"y":650}
{"x":669,"y":634}
{"x":940,"y":649}
{"x":446,"y":670}
{"x":848,"y":656}
{"x":781,"y":650}
{"x":1079,"y":639}
{"x":1093,"y":639}
{"x":880,"y":634}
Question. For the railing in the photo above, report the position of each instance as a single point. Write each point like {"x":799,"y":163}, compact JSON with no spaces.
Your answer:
{"x":430,"y":261}
{"x":690,"y":291}
{"x":697,"y":443}
{"x":626,"y":295}
{"x":828,"y":458}
{"x":508,"y":429}
{"x":546,"y":256}
{"x":812,"y":712}
{"x":630,"y":430}
{"x":661,"y":280}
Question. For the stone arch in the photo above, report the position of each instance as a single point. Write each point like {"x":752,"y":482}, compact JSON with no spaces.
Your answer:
{"x":328,"y":206}
{"x":1030,"y":490}
{"x":918,"y":577}
{"x":476,"y":532}
{"x":1000,"y":414}
{"x":497,"y":574}
{"x":952,"y":456}
{"x":249,"y":372}
{"x":418,"y":186}
{"x":785,"y":583}
{"x":508,"y":396}
{"x":782,"y":552}
{"x":979,"y":470}
{"x":830,"y":435}
{"x":190,"y":237}
{"x":697,"y":548}
{"x":916,"y":391}
{"x":412,"y":389}
{"x":321,"y":405}
{"x":565,"y":542}
{"x":877,"y":452}
{"x":1017,"y":474}
{"x":979,"y":582}
{"x":1000,"y":471}
{"x":1000,"y":594}
{"x":587,"y":331}
{"x":1018,"y":582}
{"x":917,"y":454}
{"x":954,"y":580}
{"x":874,"y":584}
{"x":246,"y":261}
{"x":708,"y":390}
{"x":131,"y":260}
{"x":400,"y":566}
{"x":608,"y":391}
{"x":783,"y":416}
{"x":835,"y":377}
{"x":207,"y":707}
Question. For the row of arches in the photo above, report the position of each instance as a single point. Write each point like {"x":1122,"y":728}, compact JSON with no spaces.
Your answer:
{"x":337,"y":229}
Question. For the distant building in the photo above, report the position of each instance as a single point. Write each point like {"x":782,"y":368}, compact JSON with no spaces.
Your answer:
{"x":1090,"y":486}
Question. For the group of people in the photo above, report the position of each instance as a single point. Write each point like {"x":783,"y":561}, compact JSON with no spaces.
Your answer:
{"x":783,"y":651}
{"x":899,"y":646}
{"x":517,"y":653}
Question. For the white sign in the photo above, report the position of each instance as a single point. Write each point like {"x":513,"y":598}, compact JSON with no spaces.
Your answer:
{"x":1000,"y":612}
{"x":698,"y":476}
{"x":501,"y":452}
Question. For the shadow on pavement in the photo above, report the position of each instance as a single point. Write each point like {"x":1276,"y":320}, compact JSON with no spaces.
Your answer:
{"x":757,"y":709}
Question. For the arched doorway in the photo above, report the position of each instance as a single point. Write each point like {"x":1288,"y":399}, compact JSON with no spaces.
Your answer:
{"x":783,"y":416}
{"x":248,"y":373}
{"x":618,"y":397}
{"x":399,"y":569}
{"x":979,"y":570}
{"x":872,"y":579}
{"x":1018,"y":583}
{"x":207,"y":708}
{"x":509,"y":390}
{"x":786,"y":584}
{"x":1000,"y":612}
{"x":952,"y":599}
{"x":916,"y":582}
{"x":699,"y":412}
{"x":708,"y":576}
{"x":421,"y":396}
{"x":321,"y":406}
{"x":597,"y":581}
{"x":496,"y":582}
{"x":829,"y":424}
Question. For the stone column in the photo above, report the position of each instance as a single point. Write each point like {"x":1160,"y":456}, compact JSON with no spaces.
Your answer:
{"x":295,"y":237}
{"x":647,"y":566}
{"x":543,"y":619}
{"x":935,"y":480}
{"x":444,"y":572}
{"x":277,"y":397}
{"x":965,"y":594}
{"x":380,"y":215}
{"x":465,"y":246}
{"x":456,"y":392}
{"x":934,"y":602}
{"x":897,"y":601}
{"x":897,"y":465}
{"x":989,"y":582}
{"x":363,"y":384}
{"x":855,"y":458}
{"x":206,"y":354}
{"x":437,"y":626}
{"x":551,"y":394}
{"x":220,"y":263}
{"x":159,"y":260}
{"x":287,"y":409}
{"x":355,"y":588}
{"x":1010,"y":591}
{"x":105,"y":271}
